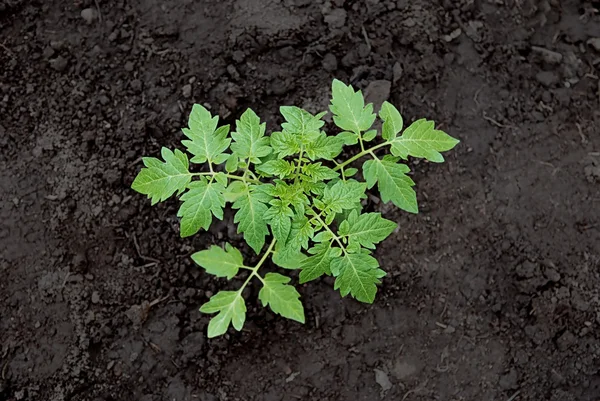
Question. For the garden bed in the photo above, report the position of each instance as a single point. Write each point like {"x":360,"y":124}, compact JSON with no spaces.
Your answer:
{"x":492,"y":290}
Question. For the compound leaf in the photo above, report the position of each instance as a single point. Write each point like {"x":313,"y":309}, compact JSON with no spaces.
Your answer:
{"x":159,"y":180}
{"x":343,"y":195}
{"x":366,"y":229}
{"x":348,"y":108}
{"x":357,"y":274}
{"x":220,"y":262}
{"x":206,"y":141}
{"x":392,"y":121}
{"x":250,"y":217}
{"x":199,"y":201}
{"x":279,"y":217}
{"x":249,"y":140}
{"x":231,"y":308}
{"x":281,"y":297}
{"x":393,"y":183}
{"x":300,"y":122}
{"x":420,"y":139}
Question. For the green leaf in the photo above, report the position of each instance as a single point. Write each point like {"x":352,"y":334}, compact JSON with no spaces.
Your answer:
{"x":249,"y":138}
{"x":285,"y":144}
{"x":323,"y":236}
{"x":235,"y":190}
{"x":369,"y":135}
{"x":349,"y":110}
{"x":206,"y":142}
{"x":287,"y":257}
{"x":281,"y":298}
{"x":300,"y":122}
{"x":318,"y":263}
{"x":317,"y":172}
{"x":220,"y":262}
{"x":250,"y":218}
{"x":392,"y":121}
{"x":393,"y":183}
{"x":324,"y":147}
{"x":357,"y":274}
{"x":302,"y":231}
{"x":159,"y":180}
{"x":199,"y":201}
{"x":279,"y":167}
{"x":279,"y":217}
{"x":420,"y":139}
{"x":343,"y":195}
{"x":349,"y":172}
{"x":349,"y":138}
{"x":366,"y":229}
{"x":231,"y":308}
{"x":232,"y":164}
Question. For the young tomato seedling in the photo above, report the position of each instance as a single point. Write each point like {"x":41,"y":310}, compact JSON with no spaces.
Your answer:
{"x":290,"y":188}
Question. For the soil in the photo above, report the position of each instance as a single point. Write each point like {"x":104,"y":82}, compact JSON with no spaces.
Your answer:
{"x":492,"y":291}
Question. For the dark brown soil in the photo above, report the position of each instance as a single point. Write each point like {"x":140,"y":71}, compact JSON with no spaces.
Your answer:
{"x":493,"y":290}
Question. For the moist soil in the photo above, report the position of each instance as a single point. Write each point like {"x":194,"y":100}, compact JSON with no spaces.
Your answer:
{"x":492,"y":291}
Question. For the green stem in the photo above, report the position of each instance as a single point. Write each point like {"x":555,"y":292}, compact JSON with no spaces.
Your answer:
{"x":335,"y":237}
{"x":254,"y":270}
{"x":233,"y":177}
{"x":361,"y":154}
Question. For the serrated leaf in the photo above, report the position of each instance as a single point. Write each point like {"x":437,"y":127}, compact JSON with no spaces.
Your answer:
{"x":279,"y":217}
{"x":220,"y":262}
{"x":250,"y":218}
{"x":285,"y":144}
{"x":420,"y":139}
{"x":281,"y":297}
{"x":317,"y":172}
{"x":324,"y":147}
{"x":393,"y":183}
{"x":206,"y":142}
{"x":280,"y":168}
{"x":302,"y":231}
{"x":357,"y":274}
{"x":348,"y":108}
{"x":392,"y":121}
{"x":249,"y":140}
{"x":318,"y":263}
{"x":159,"y":180}
{"x":231,"y":308}
{"x":343,"y":195}
{"x":366,"y":229}
{"x":202,"y":199}
{"x":300,"y":122}
{"x":287,"y":256}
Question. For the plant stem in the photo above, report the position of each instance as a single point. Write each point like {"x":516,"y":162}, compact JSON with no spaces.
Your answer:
{"x":254,"y":270}
{"x":361,"y":154}
{"x":335,"y":237}
{"x":233,"y":177}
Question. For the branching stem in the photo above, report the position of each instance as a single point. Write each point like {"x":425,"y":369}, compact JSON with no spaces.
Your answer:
{"x":361,"y":154}
{"x":254,"y":270}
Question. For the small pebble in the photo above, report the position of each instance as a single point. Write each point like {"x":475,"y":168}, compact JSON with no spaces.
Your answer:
{"x":89,"y":15}
{"x":329,"y":63}
{"x":187,"y":91}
